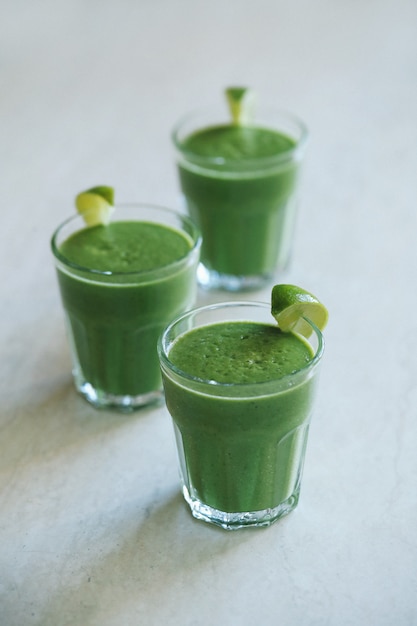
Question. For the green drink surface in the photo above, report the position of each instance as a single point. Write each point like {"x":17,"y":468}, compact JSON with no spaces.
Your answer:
{"x":237,"y":143}
{"x":240,"y":352}
{"x":130,"y":246}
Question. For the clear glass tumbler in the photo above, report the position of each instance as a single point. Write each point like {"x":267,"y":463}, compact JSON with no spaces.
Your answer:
{"x":241,"y":447}
{"x":114,"y":318}
{"x":244,"y":205}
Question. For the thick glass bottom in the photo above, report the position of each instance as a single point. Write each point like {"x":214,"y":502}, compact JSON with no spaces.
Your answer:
{"x":102,"y":400}
{"x":210,"y":279}
{"x":244,"y":519}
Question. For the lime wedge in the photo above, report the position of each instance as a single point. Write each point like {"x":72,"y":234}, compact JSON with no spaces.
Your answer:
{"x":241,"y":101}
{"x":291,"y":304}
{"x":96,"y":205}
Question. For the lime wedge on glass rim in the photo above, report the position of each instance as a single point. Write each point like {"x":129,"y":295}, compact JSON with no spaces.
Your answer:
{"x":292,"y":305}
{"x":96,"y":205}
{"x":241,"y":101}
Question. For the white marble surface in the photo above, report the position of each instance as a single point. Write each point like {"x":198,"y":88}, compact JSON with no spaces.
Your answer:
{"x":93,"y":530}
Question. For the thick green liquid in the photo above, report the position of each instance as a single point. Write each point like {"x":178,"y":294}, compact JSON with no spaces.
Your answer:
{"x":115,"y":319}
{"x":241,"y":451}
{"x":244,"y":206}
{"x":126,"y":247}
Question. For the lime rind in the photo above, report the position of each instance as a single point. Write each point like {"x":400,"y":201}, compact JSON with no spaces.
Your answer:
{"x":241,"y":101}
{"x":96,"y":205}
{"x":292,"y":306}
{"x":105,"y":192}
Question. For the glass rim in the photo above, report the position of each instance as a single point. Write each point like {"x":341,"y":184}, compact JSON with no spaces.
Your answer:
{"x":164,"y":355}
{"x":259,"y":163}
{"x":197,"y":240}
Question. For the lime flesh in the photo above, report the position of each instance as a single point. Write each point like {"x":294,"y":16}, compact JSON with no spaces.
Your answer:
{"x":96,"y":205}
{"x":241,"y":101}
{"x":291,"y":306}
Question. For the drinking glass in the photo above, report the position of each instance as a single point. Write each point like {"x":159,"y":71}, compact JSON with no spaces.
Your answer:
{"x":241,"y":447}
{"x":114,"y":319}
{"x":245,"y":206}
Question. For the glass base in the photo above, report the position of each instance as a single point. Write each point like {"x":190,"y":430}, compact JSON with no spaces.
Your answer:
{"x":209,"y":279}
{"x":244,"y":519}
{"x":102,"y":400}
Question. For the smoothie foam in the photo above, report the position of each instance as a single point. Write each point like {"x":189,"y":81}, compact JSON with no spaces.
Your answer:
{"x":128,"y":246}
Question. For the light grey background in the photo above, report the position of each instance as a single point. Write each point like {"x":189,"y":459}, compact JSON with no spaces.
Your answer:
{"x":93,"y":530}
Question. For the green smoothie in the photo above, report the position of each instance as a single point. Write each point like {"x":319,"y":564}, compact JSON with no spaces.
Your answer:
{"x":241,"y":400}
{"x":120,"y":285}
{"x":239,"y":185}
